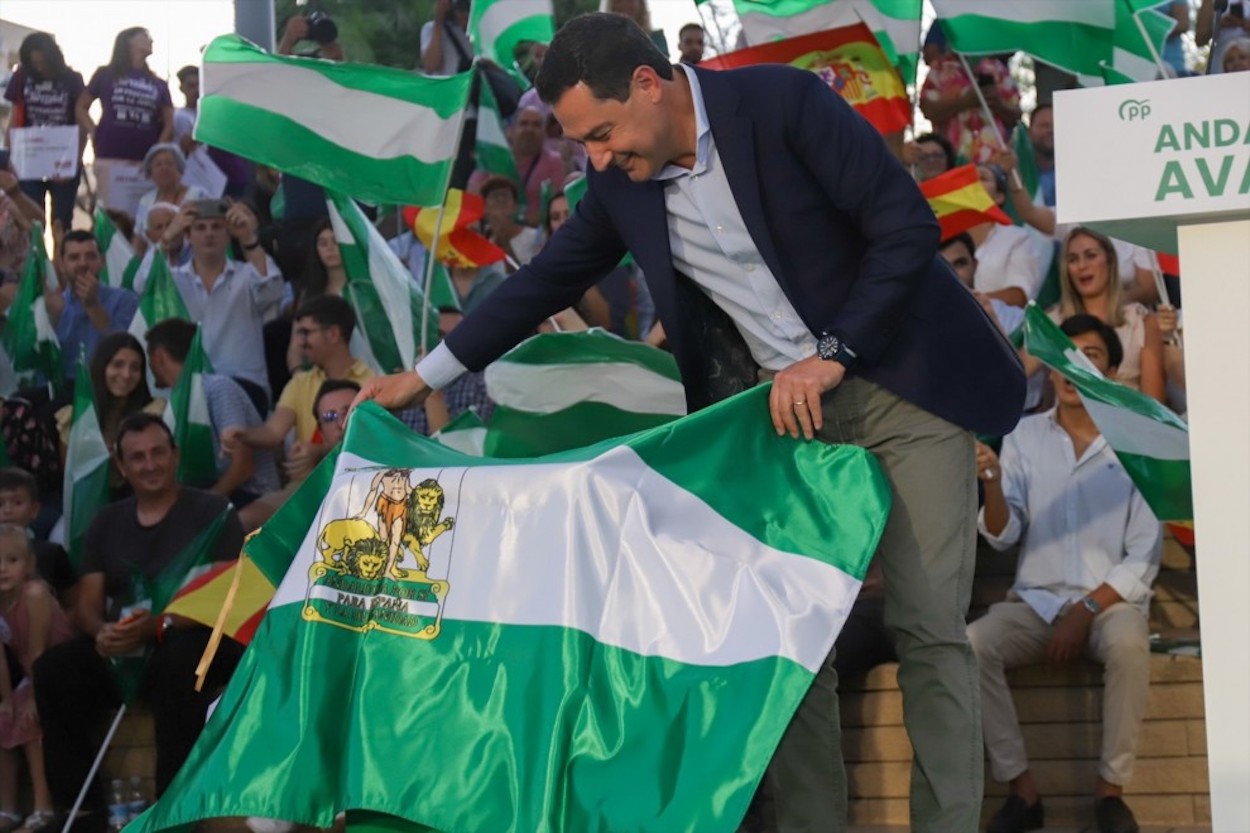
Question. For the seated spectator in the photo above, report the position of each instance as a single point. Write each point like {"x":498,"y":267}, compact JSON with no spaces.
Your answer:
{"x":323,"y":328}
{"x":1237,"y":55}
{"x":230,"y":299}
{"x":961,"y":253}
{"x":1009,"y":267}
{"x":1086,"y":286}
{"x":535,"y":163}
{"x":333,"y":401}
{"x":131,"y":543}
{"x":33,"y":623}
{"x":83,"y":312}
{"x":467,"y":392}
{"x":19,"y":505}
{"x":949,"y":99}
{"x":1089,"y":551}
{"x":323,"y":275}
{"x":164,"y":166}
{"x":520,"y":243}
{"x":243,"y":475}
{"x":1221,"y":23}
{"x":929,"y":156}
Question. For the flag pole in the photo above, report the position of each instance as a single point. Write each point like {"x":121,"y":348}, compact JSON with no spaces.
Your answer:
{"x":432,"y":257}
{"x":1160,"y":285}
{"x":95,"y":767}
{"x":1164,"y":70}
{"x":989,"y":115}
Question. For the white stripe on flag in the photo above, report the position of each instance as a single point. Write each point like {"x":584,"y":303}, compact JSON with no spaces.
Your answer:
{"x":649,"y":567}
{"x":1023,"y":12}
{"x":501,"y":15}
{"x":545,"y":388}
{"x":363,"y":122}
{"x":1133,"y":433}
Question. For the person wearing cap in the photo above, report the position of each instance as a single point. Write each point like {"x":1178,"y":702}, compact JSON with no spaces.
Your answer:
{"x":164,"y":165}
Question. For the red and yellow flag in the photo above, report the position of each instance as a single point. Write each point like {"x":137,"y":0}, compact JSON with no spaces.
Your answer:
{"x":457,"y":244}
{"x":849,"y":60}
{"x":206,"y":591}
{"x":960,"y":201}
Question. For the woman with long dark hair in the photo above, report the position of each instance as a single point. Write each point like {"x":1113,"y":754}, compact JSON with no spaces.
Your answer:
{"x":137,"y":110}
{"x":44,"y":91}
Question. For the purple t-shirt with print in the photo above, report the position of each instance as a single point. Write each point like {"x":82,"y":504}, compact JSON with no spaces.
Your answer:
{"x":131,"y":120}
{"x":46,"y":102}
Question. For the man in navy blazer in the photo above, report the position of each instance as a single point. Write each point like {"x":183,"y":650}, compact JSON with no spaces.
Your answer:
{"x":777,"y":233}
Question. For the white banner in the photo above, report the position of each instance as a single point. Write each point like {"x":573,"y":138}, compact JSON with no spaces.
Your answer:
{"x":45,"y":152}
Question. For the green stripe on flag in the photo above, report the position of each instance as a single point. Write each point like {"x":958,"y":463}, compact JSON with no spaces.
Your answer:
{"x":379,"y":134}
{"x":115,"y":248}
{"x":86,"y":485}
{"x":28,"y":335}
{"x":1150,"y":441}
{"x":193,"y":427}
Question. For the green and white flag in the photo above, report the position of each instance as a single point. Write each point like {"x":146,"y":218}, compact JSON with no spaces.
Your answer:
{"x":494,"y":154}
{"x":1074,"y":36}
{"x":381,"y":291}
{"x":191,"y":424}
{"x":894,"y":23}
{"x":610,"y":639}
{"x":1151,"y":442}
{"x":558,"y":391}
{"x":466,"y":434}
{"x":497,"y":27}
{"x":160,"y":300}
{"x":28,"y":336}
{"x":86,"y":484}
{"x":383,"y":135}
{"x":116,"y":249}
{"x":1141,"y":31}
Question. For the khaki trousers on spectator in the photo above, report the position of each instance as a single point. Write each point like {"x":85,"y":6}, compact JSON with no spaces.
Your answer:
{"x":927,"y":554}
{"x":1011,"y":634}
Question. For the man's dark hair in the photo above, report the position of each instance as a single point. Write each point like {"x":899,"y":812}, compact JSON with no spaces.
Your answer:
{"x":963,"y":237}
{"x":79,"y":235}
{"x":499,"y":183}
{"x":174,"y":336}
{"x":14,"y":479}
{"x":1082,"y":323}
{"x":330,"y":311}
{"x":942,"y":142}
{"x":328,"y":387}
{"x":1041,"y":105}
{"x":189,"y":69}
{"x":683,"y":30}
{"x":601,"y":50}
{"x":137,"y":423}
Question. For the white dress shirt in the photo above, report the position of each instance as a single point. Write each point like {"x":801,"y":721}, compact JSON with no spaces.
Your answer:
{"x":711,"y":245}
{"x":1082,"y":522}
{"x":233,"y":315}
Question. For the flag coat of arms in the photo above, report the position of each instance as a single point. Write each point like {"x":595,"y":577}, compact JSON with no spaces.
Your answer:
{"x":849,"y":60}
{"x":613,"y":638}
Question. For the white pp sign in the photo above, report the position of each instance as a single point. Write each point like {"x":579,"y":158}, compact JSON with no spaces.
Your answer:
{"x":45,"y":152}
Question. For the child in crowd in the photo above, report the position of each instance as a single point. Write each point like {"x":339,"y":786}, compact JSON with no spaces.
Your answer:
{"x":30,"y":622}
{"x":19,"y":505}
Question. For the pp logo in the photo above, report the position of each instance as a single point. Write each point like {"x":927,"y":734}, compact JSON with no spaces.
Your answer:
{"x":1133,"y":110}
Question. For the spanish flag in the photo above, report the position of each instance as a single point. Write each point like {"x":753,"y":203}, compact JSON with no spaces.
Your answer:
{"x":849,"y":60}
{"x":457,"y":244}
{"x":960,"y":201}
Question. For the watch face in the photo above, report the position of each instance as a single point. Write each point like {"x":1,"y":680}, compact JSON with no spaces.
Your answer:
{"x":827,"y":346}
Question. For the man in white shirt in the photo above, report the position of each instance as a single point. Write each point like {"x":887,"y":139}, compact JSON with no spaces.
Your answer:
{"x":230,"y":299}
{"x":1089,"y":551}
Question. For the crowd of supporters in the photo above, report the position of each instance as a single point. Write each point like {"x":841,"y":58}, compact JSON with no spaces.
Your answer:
{"x":261,"y":275}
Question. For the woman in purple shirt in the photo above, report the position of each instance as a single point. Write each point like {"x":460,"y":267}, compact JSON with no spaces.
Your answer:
{"x":44,"y":91}
{"x":137,"y":111}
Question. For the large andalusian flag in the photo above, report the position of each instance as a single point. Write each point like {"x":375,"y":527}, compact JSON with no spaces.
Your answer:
{"x":28,"y":335}
{"x":894,"y":23}
{"x":86,"y":486}
{"x":379,"y":134}
{"x":559,"y":391}
{"x":497,"y":27}
{"x":1151,"y":441}
{"x":960,"y":201}
{"x":849,"y":60}
{"x":1080,"y":36}
{"x":610,"y":639}
{"x":381,"y":290}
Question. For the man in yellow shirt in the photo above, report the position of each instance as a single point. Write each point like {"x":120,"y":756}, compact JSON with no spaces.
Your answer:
{"x":323,"y":329}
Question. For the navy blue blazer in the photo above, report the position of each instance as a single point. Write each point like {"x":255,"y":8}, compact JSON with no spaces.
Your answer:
{"x":838,"y":220}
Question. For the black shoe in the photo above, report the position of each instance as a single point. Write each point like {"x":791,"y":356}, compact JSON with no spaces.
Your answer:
{"x":1016,"y":817}
{"x":1114,"y":816}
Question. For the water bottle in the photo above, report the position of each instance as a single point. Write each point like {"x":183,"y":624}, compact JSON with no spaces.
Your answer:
{"x":119,"y":806}
{"x":138,"y":802}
